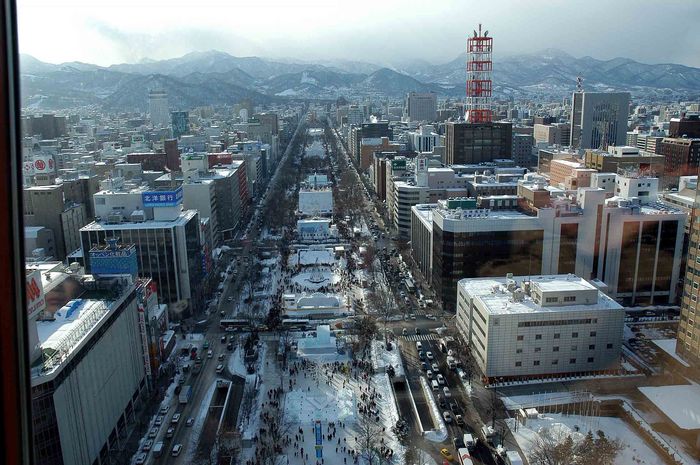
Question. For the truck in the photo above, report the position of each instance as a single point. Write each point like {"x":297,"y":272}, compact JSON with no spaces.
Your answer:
{"x":158,"y":449}
{"x":469,"y":441}
{"x":464,"y":457}
{"x":185,"y":394}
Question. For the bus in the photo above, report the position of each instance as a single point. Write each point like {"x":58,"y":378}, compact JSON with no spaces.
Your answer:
{"x":234,"y":324}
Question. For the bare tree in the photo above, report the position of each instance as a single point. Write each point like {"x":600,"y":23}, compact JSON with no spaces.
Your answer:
{"x":555,"y":447}
{"x":368,"y":441}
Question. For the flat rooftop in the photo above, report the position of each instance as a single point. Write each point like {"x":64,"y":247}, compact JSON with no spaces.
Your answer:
{"x":498,"y":300}
{"x":181,"y":220}
{"x":681,"y":404}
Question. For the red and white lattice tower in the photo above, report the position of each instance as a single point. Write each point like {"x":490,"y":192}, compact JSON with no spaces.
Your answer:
{"x":479,"y":84}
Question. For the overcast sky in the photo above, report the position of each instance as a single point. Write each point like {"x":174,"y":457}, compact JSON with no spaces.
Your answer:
{"x":377,"y":31}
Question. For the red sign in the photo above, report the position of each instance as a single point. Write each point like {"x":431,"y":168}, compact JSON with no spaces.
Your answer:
{"x":35,"y":292}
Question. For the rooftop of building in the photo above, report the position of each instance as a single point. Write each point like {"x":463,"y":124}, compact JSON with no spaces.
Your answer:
{"x":182,"y":219}
{"x":497,"y":299}
{"x":76,"y":306}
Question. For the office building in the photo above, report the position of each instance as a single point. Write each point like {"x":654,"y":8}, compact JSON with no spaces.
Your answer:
{"x":371,"y":145}
{"x":180,"y":121}
{"x":546,"y":156}
{"x":46,"y":126}
{"x":539,"y":326}
{"x":681,"y":158}
{"x":688,"y":339}
{"x":688,"y":126}
{"x":169,"y":244}
{"x":89,"y":375}
{"x":421,"y":106}
{"x":599,"y":119}
{"x":46,"y":206}
{"x":469,"y":143}
{"x":373,"y":131}
{"x":552,"y":134}
{"x":569,"y":174}
{"x":522,"y":149}
{"x":624,"y":158}
{"x":617,"y":232}
{"x":158,"y":108}
{"x":424,"y":139}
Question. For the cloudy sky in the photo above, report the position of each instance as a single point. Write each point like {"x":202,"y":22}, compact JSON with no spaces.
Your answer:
{"x":377,"y":31}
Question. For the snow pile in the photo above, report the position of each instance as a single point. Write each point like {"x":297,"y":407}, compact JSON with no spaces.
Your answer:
{"x":439,"y":434}
{"x":236,"y":365}
{"x":382,"y":359}
{"x":634,"y":449}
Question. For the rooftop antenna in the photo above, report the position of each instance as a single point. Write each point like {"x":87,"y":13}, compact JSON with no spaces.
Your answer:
{"x":579,"y":84}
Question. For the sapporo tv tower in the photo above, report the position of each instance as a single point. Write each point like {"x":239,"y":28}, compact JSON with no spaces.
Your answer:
{"x":479,"y":84}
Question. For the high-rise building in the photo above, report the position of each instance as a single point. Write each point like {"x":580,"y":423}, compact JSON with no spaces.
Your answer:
{"x":158,"y":108}
{"x":688,"y":343}
{"x":180,"y":122}
{"x":522,"y":149}
{"x":169,"y":244}
{"x":520,"y":327}
{"x":424,"y":139}
{"x":599,"y":119}
{"x":471,"y":143}
{"x":421,"y":106}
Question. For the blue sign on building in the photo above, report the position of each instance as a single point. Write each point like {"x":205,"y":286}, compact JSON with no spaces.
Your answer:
{"x":114,"y":261}
{"x":162,"y":198}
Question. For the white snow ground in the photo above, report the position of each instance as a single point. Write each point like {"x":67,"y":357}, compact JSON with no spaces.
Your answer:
{"x":635,"y":450}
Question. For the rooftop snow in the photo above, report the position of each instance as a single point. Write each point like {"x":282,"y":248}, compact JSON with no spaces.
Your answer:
{"x":496,"y":298}
{"x":681,"y":404}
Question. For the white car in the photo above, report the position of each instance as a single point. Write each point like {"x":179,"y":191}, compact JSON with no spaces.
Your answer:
{"x":429,"y":355}
{"x":447,"y":416}
{"x":141,"y":458}
{"x":177,"y":448}
{"x":429,"y":374}
{"x":440,"y":379}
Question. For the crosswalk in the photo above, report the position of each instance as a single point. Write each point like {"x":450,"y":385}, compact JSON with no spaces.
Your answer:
{"x":421,"y":337}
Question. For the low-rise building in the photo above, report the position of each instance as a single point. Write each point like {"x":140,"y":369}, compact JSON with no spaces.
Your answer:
{"x":539,"y":326}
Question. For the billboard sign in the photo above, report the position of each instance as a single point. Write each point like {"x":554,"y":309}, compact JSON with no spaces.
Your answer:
{"x":36,"y":300}
{"x":28,"y":168}
{"x":44,"y":164}
{"x":162,"y":198}
{"x":118,"y":261}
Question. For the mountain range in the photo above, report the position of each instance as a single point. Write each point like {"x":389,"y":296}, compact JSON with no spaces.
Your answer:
{"x":214,"y":77}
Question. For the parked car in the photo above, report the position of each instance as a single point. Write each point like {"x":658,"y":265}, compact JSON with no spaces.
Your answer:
{"x":141,"y":458}
{"x":210,"y":354}
{"x":153,"y":432}
{"x":189,"y":422}
{"x":219,"y":368}
{"x":429,"y":355}
{"x":221,"y":357}
{"x":435,"y":367}
{"x":459,"y":420}
{"x":170,"y":432}
{"x":177,"y":448}
{"x":447,"y":416}
{"x":424,"y":366}
{"x":440,"y":379}
{"x":420,"y":354}
{"x":159,"y":420}
{"x":175,"y":419}
{"x":429,"y":374}
{"x":147,"y":444}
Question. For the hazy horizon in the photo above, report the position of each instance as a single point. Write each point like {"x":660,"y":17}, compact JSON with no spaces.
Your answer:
{"x":386,"y":33}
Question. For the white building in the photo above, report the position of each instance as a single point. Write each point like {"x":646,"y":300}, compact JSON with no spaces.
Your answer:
{"x":424,"y":139}
{"x":316,"y":229}
{"x":314,"y":305}
{"x":315,"y":202}
{"x":528,"y":327}
{"x":158,"y":108}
